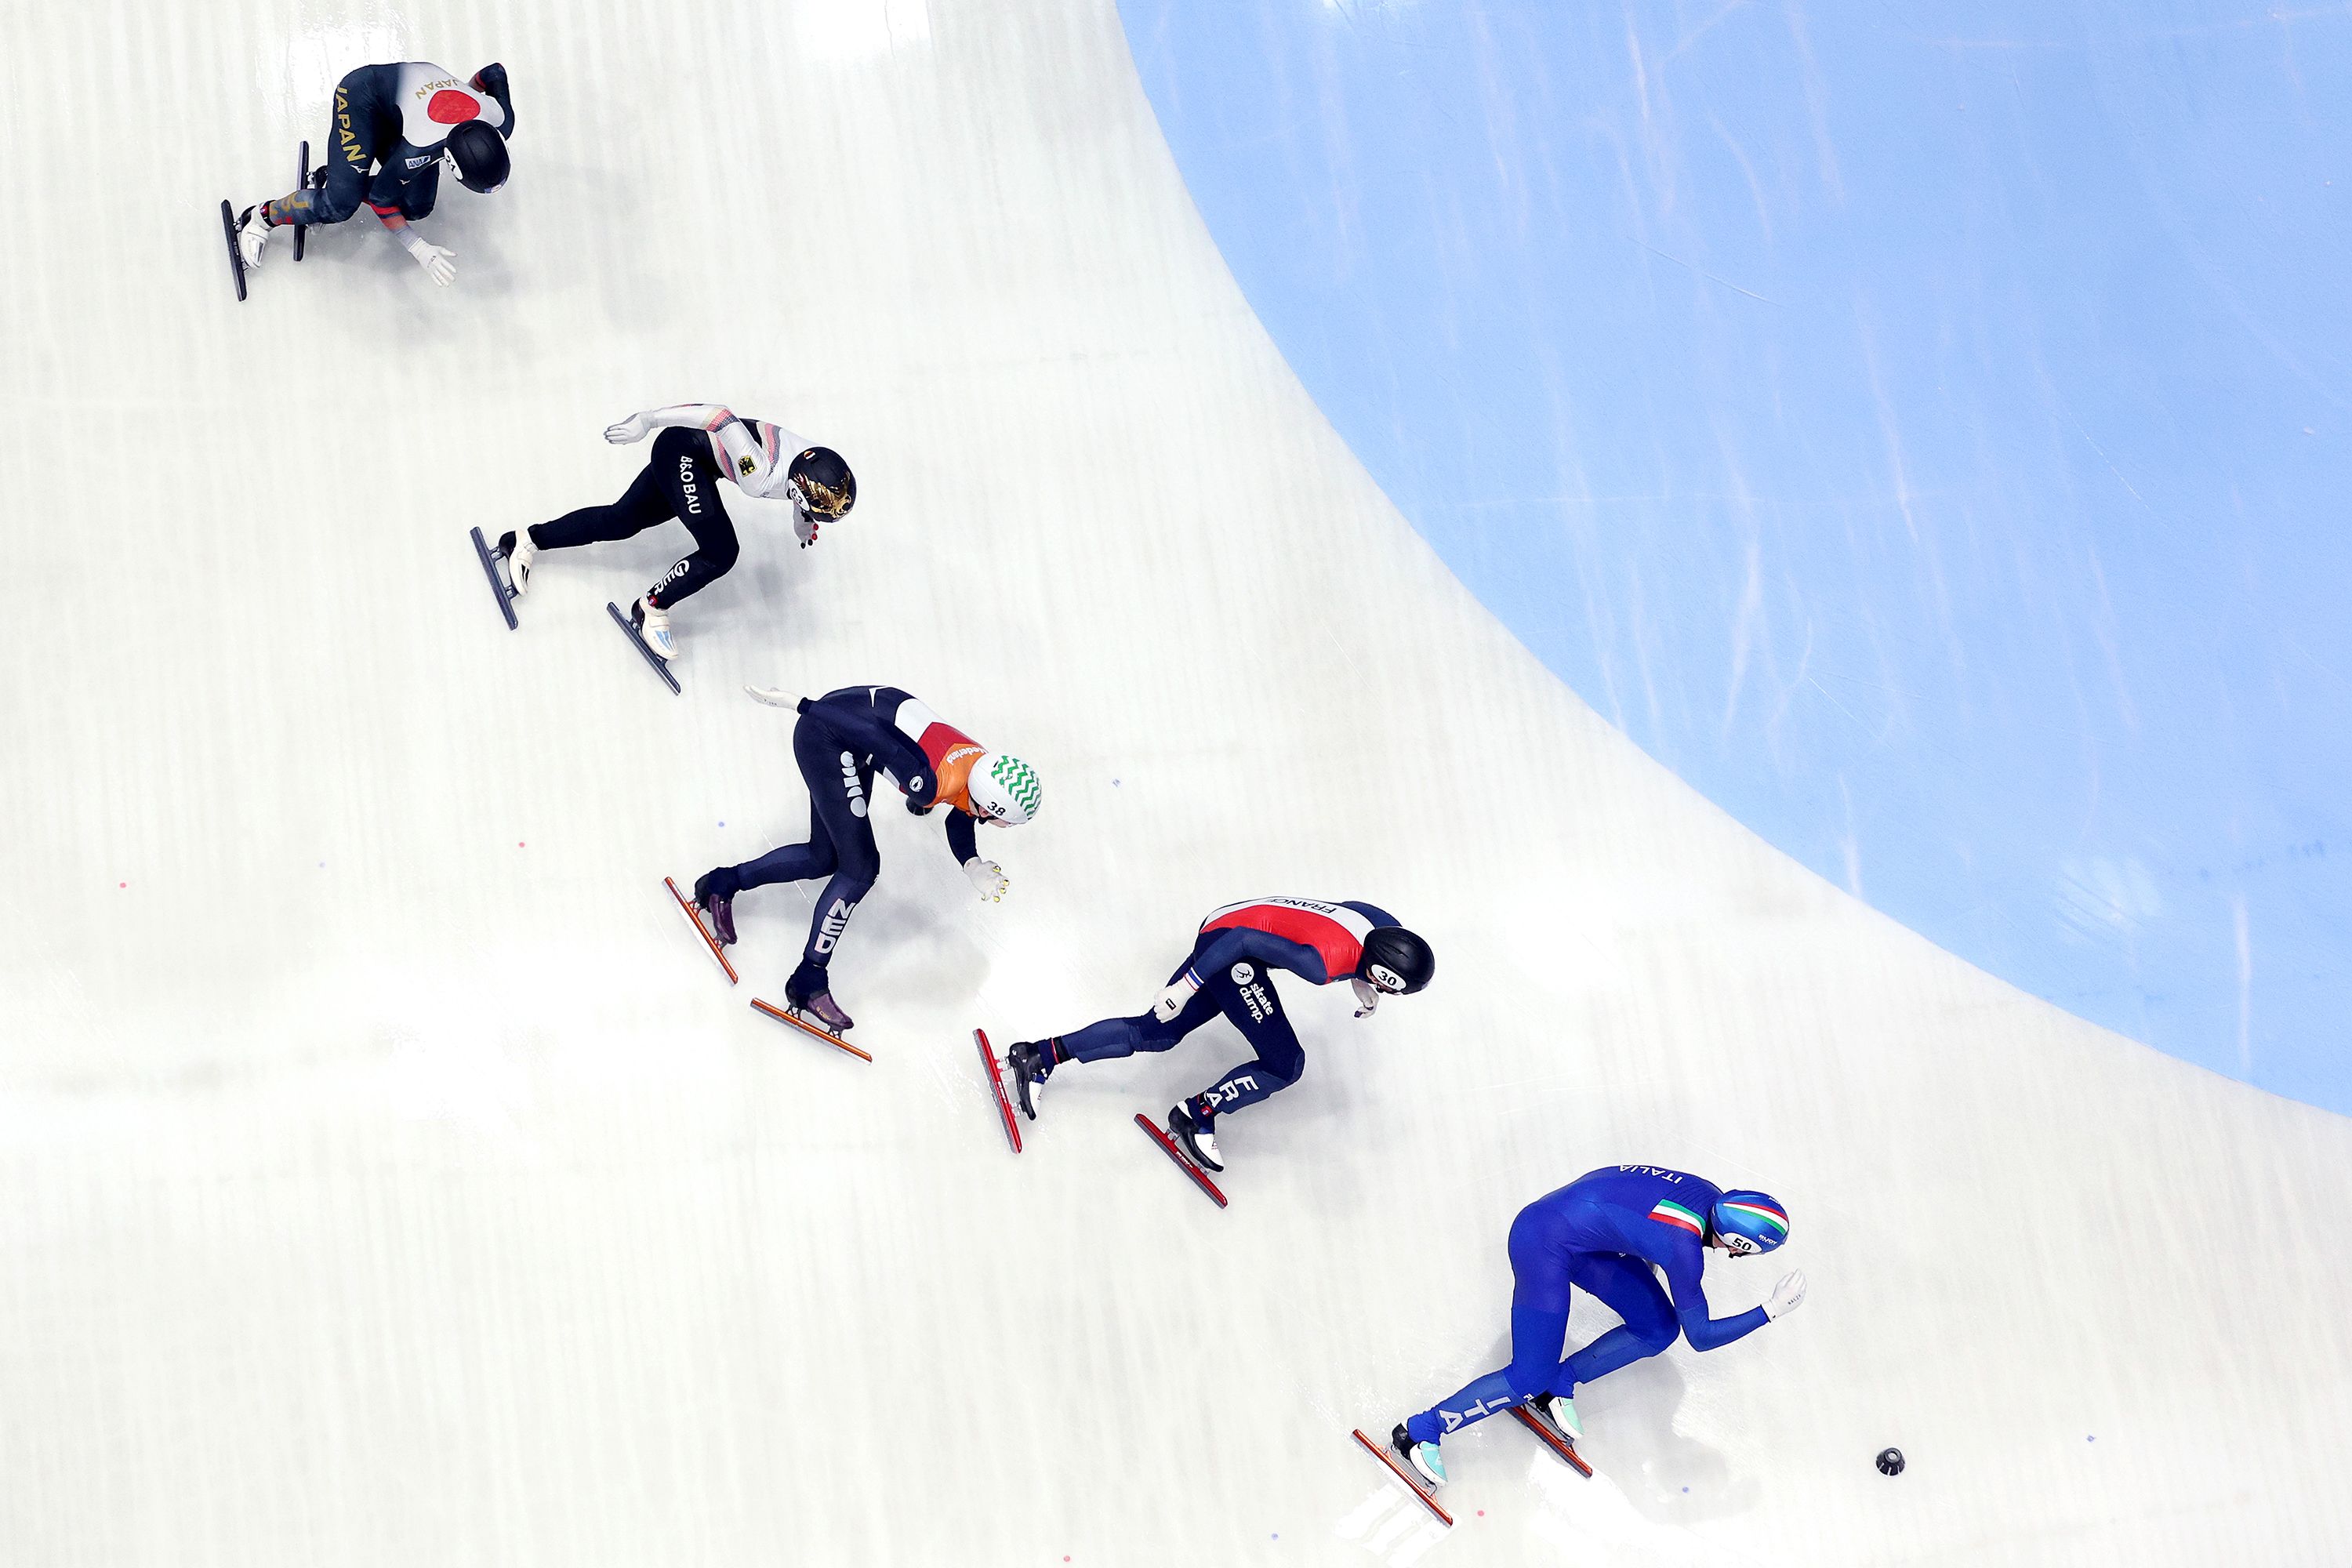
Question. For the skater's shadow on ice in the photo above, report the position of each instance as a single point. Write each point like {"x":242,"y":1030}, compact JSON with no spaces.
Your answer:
{"x":917,"y":954}
{"x":1668,"y":1475}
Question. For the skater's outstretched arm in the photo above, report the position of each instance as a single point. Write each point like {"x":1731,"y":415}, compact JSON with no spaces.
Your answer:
{"x":437,"y":260}
{"x":1704,"y":1333}
{"x":711,"y":417}
{"x":961,"y":841}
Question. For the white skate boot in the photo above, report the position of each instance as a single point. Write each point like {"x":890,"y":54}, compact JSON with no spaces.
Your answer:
{"x":1560,"y":1410}
{"x":1422,"y":1457}
{"x":652,"y":624}
{"x":518,"y":552}
{"x":252,"y":235}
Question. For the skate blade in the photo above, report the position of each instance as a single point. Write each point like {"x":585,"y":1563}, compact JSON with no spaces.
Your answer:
{"x":686,"y":909}
{"x":235,"y":256}
{"x":1412,"y":1482}
{"x":996,"y":1088}
{"x":814,"y":1032}
{"x":1557,"y":1441}
{"x":1169,"y":1147}
{"x":659,"y":665}
{"x":491,"y":570}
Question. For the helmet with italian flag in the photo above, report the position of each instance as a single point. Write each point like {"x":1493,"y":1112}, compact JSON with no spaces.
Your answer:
{"x":1747,"y":1221}
{"x":1004,"y":789}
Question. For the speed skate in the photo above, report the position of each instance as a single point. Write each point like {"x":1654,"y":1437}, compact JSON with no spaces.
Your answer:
{"x":1168,"y":1146}
{"x":1557,"y":1441}
{"x":1422,"y":1491}
{"x":686,"y":907}
{"x":816,"y":1032}
{"x":996,"y":1071}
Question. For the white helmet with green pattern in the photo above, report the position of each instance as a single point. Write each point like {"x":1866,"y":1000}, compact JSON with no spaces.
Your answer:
{"x":1004,"y":789}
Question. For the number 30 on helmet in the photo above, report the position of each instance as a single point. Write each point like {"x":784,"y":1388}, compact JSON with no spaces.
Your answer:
{"x":1396,"y":960}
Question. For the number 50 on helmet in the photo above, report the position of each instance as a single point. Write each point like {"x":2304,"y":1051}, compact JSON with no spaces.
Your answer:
{"x":1747,"y":1221}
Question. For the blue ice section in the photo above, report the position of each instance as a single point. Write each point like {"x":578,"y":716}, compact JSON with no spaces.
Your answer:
{"x":1923,"y":427}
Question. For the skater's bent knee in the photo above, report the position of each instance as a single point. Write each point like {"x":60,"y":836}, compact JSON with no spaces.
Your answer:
{"x":1530,"y":1377}
{"x":1655,"y":1332}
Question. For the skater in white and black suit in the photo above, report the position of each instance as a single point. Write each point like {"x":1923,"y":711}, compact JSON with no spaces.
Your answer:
{"x":699,"y":444}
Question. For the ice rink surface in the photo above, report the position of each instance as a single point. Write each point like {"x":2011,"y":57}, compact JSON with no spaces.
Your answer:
{"x":389,"y":1179}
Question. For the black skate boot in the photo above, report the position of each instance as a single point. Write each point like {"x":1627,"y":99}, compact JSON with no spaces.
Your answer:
{"x":810,"y":994}
{"x":1196,"y":1135}
{"x":1030,"y":1064}
{"x":718,"y":906}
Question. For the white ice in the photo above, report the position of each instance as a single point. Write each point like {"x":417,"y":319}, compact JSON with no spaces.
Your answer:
{"x":386,"y":1176}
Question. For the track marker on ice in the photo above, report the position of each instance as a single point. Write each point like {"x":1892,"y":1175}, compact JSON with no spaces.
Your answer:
{"x":782,"y":1016}
{"x":693,"y":918}
{"x":1557,"y":1441}
{"x":996,"y":1086}
{"x":1388,"y":1462}
{"x":1168,"y":1147}
{"x":491,"y":570}
{"x":660,"y":665}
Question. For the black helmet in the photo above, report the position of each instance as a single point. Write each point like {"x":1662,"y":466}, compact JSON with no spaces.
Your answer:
{"x":1396,"y":960}
{"x":826,"y":482}
{"x":480,"y":154}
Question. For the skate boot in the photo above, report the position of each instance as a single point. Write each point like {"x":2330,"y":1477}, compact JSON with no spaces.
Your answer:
{"x":518,"y":552}
{"x":808,"y":993}
{"x":1560,"y":1410}
{"x":652,"y":624}
{"x":1196,"y":1137}
{"x":1426,"y":1461}
{"x":720,"y":907}
{"x":252,"y":236}
{"x":1029,"y":1065}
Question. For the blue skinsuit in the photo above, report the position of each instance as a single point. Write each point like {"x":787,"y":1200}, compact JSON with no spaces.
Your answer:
{"x":1232,"y":966}
{"x":1602,"y":1233}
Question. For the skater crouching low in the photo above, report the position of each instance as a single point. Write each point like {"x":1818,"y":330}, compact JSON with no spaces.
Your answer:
{"x":395,"y":128}
{"x":699,"y":444}
{"x":1608,"y":1233}
{"x":1229,"y":973}
{"x":840,"y":741}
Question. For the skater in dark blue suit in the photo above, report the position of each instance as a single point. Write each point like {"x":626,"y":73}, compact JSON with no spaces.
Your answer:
{"x":1229,"y":973}
{"x":1607,"y":1233}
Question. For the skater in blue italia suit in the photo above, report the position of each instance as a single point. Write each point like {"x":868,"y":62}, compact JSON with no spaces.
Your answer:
{"x":1607,"y":1233}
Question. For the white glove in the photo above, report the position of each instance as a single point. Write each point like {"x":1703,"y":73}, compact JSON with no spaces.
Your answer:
{"x":633,"y":429}
{"x":1786,"y":1295}
{"x":1368,"y":996}
{"x":988,"y":878}
{"x":774,"y":696}
{"x":804,"y":529}
{"x":1171,"y":1001}
{"x":435,"y":260}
